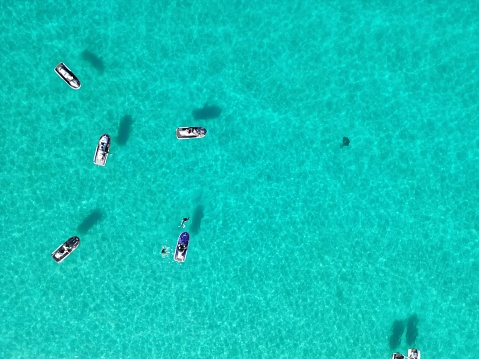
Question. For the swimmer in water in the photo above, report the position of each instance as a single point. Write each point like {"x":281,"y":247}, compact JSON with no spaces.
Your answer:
{"x":346,"y":142}
{"x":165,"y":251}
{"x":183,"y":221}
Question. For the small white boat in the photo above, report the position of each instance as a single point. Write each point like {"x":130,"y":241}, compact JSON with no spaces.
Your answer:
{"x":102,"y":150}
{"x":413,"y":353}
{"x":68,"y":76}
{"x":397,"y":356}
{"x":185,"y":133}
{"x":182,"y":247}
{"x":65,"y":249}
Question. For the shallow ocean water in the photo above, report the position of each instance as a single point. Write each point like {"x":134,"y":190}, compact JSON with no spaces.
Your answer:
{"x":300,"y":248}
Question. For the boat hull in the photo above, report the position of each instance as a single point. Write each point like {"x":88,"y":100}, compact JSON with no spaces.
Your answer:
{"x":102,"y":150}
{"x":68,"y":76}
{"x":182,"y":247}
{"x":65,"y":249}
{"x":187,"y":133}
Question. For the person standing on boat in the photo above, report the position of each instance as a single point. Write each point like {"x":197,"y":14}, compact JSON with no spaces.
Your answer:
{"x":183,"y":221}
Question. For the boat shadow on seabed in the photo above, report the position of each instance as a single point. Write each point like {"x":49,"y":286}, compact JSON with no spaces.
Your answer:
{"x":124,"y":130}
{"x":94,"y":60}
{"x":89,"y":221}
{"x":197,"y":216}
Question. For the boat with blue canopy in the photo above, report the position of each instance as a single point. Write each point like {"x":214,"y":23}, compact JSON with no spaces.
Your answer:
{"x":182,"y":247}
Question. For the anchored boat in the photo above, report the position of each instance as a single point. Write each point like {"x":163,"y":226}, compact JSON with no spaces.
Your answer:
{"x":65,"y":249}
{"x":68,"y":76}
{"x":182,"y":247}
{"x":413,"y":353}
{"x":397,"y":356}
{"x":185,"y":133}
{"x":102,"y":150}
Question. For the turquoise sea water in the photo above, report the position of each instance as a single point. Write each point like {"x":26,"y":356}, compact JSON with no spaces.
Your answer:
{"x":300,"y":248}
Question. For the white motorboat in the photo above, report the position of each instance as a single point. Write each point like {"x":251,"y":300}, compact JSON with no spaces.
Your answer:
{"x":65,"y":249}
{"x":68,"y":76}
{"x":185,"y":133}
{"x":102,"y":150}
{"x":413,"y":353}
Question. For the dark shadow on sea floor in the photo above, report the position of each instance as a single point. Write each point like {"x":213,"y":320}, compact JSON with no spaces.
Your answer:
{"x":207,"y":112}
{"x":198,"y":215}
{"x":397,"y":330}
{"x":89,"y":221}
{"x":411,"y":329}
{"x":124,"y":130}
{"x":94,"y":60}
